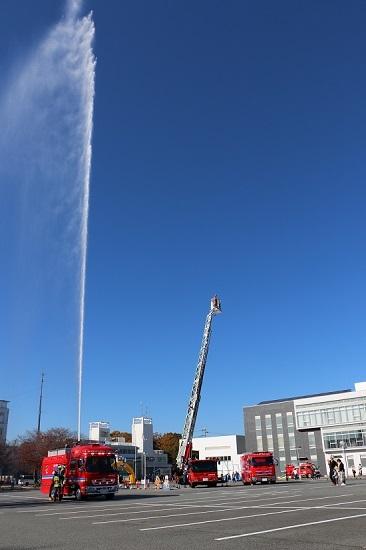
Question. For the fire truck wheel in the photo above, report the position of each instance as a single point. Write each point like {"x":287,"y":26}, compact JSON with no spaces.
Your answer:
{"x":78,"y":494}
{"x":193,"y":485}
{"x":110,"y":496}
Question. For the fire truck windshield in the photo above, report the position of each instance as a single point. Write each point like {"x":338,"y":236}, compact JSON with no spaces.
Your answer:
{"x":204,"y":466}
{"x":100,"y":464}
{"x":262,"y":461}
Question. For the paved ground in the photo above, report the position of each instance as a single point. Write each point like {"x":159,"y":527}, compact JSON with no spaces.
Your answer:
{"x":309,"y":515}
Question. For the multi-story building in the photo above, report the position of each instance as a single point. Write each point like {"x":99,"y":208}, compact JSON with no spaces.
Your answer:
{"x":226,"y":449}
{"x":99,"y":431}
{"x":341,"y":420}
{"x":143,"y":434}
{"x":4,"y":415}
{"x":312,"y":427}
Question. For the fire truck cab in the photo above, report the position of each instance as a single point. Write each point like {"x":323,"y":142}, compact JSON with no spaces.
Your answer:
{"x":202,"y":472}
{"x":257,"y":468}
{"x":90,"y":470}
{"x":307,"y":469}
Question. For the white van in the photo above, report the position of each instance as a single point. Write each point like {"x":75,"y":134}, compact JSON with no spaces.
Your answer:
{"x":26,"y":480}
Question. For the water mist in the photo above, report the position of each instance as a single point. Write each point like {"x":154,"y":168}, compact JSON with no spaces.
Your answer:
{"x":46,"y":116}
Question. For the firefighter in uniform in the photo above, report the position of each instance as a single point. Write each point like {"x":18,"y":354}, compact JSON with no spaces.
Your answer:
{"x":55,"y":484}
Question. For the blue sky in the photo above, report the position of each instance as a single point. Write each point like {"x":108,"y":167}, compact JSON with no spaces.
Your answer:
{"x":228,"y":156}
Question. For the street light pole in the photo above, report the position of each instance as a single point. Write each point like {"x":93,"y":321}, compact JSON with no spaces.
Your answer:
{"x":144,"y":469}
{"x":343,"y":446}
{"x":135,"y":461}
{"x":298,"y":461}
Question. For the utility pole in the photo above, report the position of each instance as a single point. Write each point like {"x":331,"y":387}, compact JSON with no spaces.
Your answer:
{"x":40,"y":405}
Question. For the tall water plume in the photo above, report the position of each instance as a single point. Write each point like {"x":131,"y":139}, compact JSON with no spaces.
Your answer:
{"x":46,"y":117}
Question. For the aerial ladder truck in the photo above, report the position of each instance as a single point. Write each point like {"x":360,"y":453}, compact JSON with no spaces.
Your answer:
{"x":185,"y":444}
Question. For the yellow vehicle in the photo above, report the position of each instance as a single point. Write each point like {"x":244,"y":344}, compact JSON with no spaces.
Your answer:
{"x":123,"y":466}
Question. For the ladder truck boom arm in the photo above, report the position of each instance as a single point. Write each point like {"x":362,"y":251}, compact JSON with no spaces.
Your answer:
{"x":185,"y":445}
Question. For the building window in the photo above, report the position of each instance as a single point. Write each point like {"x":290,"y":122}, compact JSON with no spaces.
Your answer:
{"x":290,"y":419}
{"x":281,"y":442}
{"x":351,"y":438}
{"x":311,"y":436}
{"x":268,"y":424}
{"x":279,"y":423}
{"x":270,"y":442}
{"x":345,"y":411}
{"x":258,"y":433}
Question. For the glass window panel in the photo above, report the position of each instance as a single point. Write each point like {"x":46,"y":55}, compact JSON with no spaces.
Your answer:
{"x":281,"y":443}
{"x":259,"y":443}
{"x":292,"y":441}
{"x":337,"y":416}
{"x":268,"y":421}
{"x":290,"y":419}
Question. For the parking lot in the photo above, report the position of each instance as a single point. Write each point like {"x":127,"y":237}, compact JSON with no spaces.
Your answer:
{"x":302,"y":515}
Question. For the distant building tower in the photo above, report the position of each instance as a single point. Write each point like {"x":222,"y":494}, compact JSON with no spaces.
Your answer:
{"x":142,"y":434}
{"x":99,"y":431}
{"x":4,"y":414}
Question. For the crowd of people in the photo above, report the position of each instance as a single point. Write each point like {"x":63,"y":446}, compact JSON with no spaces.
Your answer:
{"x":337,"y":473}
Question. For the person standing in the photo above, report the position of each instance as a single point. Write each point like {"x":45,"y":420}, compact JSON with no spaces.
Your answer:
{"x":332,"y":464}
{"x":354,"y":471}
{"x":341,"y":473}
{"x":360,"y":470}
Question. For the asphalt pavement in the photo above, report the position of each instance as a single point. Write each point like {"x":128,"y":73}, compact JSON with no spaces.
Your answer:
{"x":311,"y":515}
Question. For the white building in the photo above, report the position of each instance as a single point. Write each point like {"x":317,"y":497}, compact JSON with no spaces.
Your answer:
{"x":143,"y":435}
{"x":341,"y":418}
{"x":99,"y":431}
{"x":4,"y":414}
{"x":226,"y":449}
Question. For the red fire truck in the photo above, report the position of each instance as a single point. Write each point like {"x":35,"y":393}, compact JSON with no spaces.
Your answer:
{"x":307,"y":469}
{"x":202,"y":472}
{"x":90,"y":470}
{"x":258,"y":468}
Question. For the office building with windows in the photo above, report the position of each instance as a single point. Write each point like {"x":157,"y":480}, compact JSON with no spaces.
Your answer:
{"x":4,"y":415}
{"x":270,"y":426}
{"x":311,"y":427}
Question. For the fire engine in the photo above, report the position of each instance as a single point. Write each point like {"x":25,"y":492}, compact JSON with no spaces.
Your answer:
{"x":202,"y":472}
{"x":90,"y":470}
{"x":257,"y":468}
{"x":307,"y":469}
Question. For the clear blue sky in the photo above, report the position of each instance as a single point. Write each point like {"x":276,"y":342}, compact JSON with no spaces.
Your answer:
{"x":228,"y":156}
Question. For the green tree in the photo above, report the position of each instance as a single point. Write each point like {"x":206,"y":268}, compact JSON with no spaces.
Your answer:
{"x":169,"y":443}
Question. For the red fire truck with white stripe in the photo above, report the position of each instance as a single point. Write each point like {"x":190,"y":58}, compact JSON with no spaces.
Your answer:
{"x":90,"y":470}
